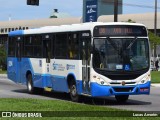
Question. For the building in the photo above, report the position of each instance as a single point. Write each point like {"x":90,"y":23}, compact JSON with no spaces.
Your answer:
{"x":92,"y":9}
{"x":146,"y":19}
{"x":7,"y":26}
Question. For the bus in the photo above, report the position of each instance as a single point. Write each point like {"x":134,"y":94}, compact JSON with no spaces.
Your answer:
{"x":89,"y":59}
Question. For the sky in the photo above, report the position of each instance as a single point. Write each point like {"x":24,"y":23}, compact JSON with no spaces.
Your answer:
{"x":18,"y":10}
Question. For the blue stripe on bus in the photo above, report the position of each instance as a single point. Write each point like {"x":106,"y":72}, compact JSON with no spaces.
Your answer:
{"x":102,"y":91}
{"x":59,"y":83}
{"x":15,"y":33}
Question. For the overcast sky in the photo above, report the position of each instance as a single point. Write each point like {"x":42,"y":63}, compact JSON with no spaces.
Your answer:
{"x":18,"y":10}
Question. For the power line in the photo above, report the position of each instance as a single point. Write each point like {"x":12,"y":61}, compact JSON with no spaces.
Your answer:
{"x":142,"y":6}
{"x":135,"y":5}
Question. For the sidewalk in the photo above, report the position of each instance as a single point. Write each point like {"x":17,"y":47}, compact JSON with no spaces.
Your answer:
{"x":155,"y":84}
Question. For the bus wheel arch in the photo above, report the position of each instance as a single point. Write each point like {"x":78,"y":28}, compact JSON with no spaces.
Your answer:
{"x":72,"y":88}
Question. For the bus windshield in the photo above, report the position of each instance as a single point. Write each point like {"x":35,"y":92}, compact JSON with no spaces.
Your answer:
{"x":121,"y":54}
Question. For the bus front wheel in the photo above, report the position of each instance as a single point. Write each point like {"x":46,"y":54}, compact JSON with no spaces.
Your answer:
{"x":121,"y":98}
{"x":73,"y":92}
{"x":30,"y":87}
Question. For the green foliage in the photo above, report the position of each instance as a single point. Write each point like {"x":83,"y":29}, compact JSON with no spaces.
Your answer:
{"x":154,"y":39}
{"x":155,"y":75}
{"x":60,"y":107}
{"x":131,"y":21}
{"x":2,"y":57}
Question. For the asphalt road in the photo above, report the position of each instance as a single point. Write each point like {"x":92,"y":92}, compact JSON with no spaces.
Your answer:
{"x":151,"y":102}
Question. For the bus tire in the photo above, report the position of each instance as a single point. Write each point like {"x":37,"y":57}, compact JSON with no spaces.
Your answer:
{"x":73,"y":92}
{"x":30,"y":87}
{"x":121,"y":98}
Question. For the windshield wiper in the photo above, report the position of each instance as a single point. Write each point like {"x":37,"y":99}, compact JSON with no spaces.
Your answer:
{"x":132,"y":42}
{"x":113,"y":44}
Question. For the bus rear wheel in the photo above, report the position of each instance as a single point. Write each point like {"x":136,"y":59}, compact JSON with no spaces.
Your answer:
{"x":73,"y":92}
{"x":121,"y":98}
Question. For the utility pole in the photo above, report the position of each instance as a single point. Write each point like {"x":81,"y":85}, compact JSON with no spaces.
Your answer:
{"x":155,"y":28}
{"x":155,"y":19}
{"x":115,"y":10}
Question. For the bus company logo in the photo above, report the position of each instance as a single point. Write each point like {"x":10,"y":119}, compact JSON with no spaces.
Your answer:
{"x":6,"y":114}
{"x":58,"y":67}
{"x":123,"y":83}
{"x":55,"y":66}
{"x":68,"y":67}
{"x":21,"y":114}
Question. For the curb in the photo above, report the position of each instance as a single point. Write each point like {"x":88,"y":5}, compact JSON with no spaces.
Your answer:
{"x":155,"y":85}
{"x":3,"y":75}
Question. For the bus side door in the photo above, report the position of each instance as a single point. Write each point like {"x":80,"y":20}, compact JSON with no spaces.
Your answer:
{"x":47,"y":55}
{"x":85,"y":54}
{"x":19,"y":59}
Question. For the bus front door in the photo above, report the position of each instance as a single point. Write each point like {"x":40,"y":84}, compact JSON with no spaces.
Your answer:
{"x":47,"y":56}
{"x":19,"y":59}
{"x":86,"y":65}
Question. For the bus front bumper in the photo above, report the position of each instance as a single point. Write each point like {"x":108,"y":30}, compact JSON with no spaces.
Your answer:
{"x":102,"y":91}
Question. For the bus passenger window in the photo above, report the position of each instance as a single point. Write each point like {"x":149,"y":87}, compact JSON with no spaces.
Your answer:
{"x":32,"y":46}
{"x":73,"y":46}
{"x":11,"y":46}
{"x":61,"y":46}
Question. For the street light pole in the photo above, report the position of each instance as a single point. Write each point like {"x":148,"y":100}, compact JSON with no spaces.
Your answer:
{"x":115,"y":10}
{"x":155,"y":28}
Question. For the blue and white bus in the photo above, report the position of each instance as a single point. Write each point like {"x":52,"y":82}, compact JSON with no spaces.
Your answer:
{"x":91,"y":59}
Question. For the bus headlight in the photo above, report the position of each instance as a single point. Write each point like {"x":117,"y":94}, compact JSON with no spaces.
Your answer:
{"x":145,"y":79}
{"x":100,"y":80}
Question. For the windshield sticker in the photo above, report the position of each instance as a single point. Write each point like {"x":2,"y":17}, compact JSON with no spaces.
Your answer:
{"x":127,"y":67}
{"x":119,"y":67}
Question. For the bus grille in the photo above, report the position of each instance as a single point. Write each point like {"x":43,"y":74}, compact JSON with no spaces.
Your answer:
{"x":123,"y":77}
{"x":128,"y":89}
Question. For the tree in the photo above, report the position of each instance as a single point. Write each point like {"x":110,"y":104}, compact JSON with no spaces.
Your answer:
{"x":154,"y":40}
{"x":3,"y":56}
{"x":131,"y":21}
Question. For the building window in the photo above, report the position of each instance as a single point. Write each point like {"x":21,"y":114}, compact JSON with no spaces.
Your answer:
{"x":2,"y":30}
{"x":6,"y":30}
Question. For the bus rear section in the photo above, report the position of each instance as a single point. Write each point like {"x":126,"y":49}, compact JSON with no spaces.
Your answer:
{"x":29,"y":60}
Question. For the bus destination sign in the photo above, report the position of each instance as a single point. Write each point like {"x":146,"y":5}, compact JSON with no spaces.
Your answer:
{"x":118,"y":30}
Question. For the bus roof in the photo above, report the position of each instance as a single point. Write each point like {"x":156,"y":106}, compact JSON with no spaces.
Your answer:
{"x":65,"y":28}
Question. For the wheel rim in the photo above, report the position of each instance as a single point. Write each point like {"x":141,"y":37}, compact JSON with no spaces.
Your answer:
{"x":29,"y":86}
{"x":73,"y":90}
